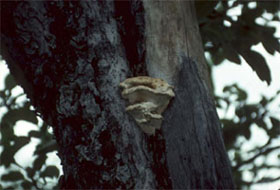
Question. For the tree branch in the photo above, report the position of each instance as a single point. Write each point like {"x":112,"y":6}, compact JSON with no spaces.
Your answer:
{"x":262,"y":152}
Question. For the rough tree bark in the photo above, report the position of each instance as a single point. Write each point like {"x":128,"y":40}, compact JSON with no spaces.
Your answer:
{"x":70,"y":58}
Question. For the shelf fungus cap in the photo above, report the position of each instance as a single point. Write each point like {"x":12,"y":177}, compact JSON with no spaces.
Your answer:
{"x":148,"y":98}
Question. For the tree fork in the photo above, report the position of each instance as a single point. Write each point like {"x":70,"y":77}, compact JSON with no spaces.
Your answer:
{"x":73,"y":55}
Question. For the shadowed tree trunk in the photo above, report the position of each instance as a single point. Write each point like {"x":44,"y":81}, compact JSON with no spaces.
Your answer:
{"x":70,"y":58}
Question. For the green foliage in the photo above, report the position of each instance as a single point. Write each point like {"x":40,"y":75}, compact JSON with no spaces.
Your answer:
{"x":16,"y":176}
{"x":237,"y":131}
{"x":12,"y":176}
{"x":231,"y":42}
{"x":9,"y":83}
{"x":50,"y":171}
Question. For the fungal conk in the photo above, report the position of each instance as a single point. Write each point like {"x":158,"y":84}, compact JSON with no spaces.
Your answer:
{"x":148,"y":98}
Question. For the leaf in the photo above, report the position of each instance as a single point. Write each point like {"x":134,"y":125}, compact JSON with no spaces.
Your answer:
{"x":247,"y":110}
{"x":7,"y":157}
{"x":39,"y":162}
{"x":274,"y":131}
{"x":30,"y":172}
{"x":266,"y":36}
{"x":258,"y":64}
{"x":264,"y":101}
{"x":20,"y":141}
{"x":231,"y":54}
{"x":204,"y":8}
{"x":217,"y":56}
{"x":275,"y":18}
{"x":269,"y":6}
{"x":246,"y":132}
{"x":7,"y":136}
{"x":241,"y":94}
{"x":36,"y":134}
{"x":249,"y":15}
{"x":231,"y":131}
{"x":7,"y":133}
{"x":10,"y":82}
{"x":24,"y":113}
{"x":50,"y":171}
{"x":227,"y":88}
{"x":234,"y":89}
{"x":275,"y":122}
{"x":261,"y":123}
{"x":26,"y":185}
{"x":270,"y":44}
{"x":12,"y":176}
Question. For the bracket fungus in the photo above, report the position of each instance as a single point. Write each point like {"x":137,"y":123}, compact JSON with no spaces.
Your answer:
{"x":148,"y":98}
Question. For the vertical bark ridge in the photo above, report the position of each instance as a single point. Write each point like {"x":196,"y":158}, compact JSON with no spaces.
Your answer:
{"x":192,"y":118}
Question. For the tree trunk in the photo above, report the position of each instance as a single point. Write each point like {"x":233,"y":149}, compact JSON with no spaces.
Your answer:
{"x":70,"y":58}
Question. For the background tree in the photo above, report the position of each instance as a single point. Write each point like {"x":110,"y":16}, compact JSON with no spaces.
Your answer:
{"x":215,"y":15}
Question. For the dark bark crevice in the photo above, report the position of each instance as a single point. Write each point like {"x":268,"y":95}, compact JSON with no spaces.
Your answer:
{"x":131,"y":26}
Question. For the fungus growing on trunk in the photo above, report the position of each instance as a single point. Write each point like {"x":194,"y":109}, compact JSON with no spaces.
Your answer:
{"x":148,"y":98}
